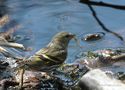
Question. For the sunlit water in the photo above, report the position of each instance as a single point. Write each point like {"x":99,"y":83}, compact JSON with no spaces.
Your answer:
{"x":41,"y":19}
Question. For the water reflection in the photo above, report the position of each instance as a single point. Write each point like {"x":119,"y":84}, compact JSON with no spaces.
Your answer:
{"x":41,"y":19}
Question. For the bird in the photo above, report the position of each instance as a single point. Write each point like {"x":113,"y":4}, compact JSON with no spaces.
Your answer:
{"x":49,"y":57}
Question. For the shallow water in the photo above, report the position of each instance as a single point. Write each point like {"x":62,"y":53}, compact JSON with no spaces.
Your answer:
{"x":41,"y":19}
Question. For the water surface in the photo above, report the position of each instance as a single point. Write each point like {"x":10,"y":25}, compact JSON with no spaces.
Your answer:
{"x":41,"y":19}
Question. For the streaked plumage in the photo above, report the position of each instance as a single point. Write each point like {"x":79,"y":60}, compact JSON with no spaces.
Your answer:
{"x":54,"y":53}
{"x":50,"y":57}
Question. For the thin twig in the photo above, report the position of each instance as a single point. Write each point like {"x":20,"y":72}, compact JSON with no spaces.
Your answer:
{"x":102,"y":25}
{"x":121,"y":7}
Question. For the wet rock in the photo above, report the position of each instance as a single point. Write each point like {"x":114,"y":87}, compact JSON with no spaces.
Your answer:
{"x":3,"y":65}
{"x":6,"y":83}
{"x":93,"y":36}
{"x":98,"y":80}
{"x":38,"y":81}
{"x":101,"y":58}
{"x":69,"y":74}
{"x":65,"y":77}
{"x":4,"y":73}
{"x":120,"y":75}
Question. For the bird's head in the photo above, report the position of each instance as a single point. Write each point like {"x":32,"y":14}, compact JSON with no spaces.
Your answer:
{"x":63,"y":38}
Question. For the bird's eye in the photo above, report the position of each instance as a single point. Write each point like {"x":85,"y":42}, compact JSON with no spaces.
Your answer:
{"x":67,"y":36}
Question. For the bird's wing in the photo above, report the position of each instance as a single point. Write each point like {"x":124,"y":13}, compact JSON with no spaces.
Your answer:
{"x":42,"y":51}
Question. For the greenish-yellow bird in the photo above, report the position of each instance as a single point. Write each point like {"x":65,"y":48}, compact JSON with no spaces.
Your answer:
{"x":50,"y":57}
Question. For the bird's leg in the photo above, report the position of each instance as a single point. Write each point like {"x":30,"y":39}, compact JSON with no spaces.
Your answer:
{"x":21,"y":79}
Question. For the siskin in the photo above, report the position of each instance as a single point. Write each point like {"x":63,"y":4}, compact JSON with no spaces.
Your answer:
{"x":50,"y":57}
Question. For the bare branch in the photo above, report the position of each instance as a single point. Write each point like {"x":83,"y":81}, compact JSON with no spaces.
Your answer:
{"x":121,"y":7}
{"x":102,"y":25}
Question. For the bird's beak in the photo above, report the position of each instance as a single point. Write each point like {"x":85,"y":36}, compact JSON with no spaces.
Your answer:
{"x":72,"y":36}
